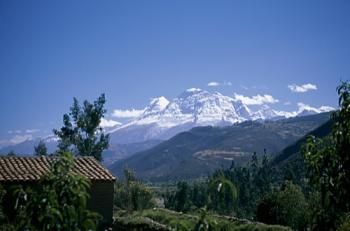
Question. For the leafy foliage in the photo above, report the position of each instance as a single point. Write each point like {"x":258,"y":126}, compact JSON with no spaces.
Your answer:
{"x":57,"y":203}
{"x":222,"y":195}
{"x":345,"y":225}
{"x":286,"y":206}
{"x":82,"y":129}
{"x":235,"y":190}
{"x":163,"y":219}
{"x":132,"y":194}
{"x":40,"y":149}
{"x":252,"y":182}
{"x":205,"y":224}
{"x":4,"y":225}
{"x":187,"y":197}
{"x":329,"y":163}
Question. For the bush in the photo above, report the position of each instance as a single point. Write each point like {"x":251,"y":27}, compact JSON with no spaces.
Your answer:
{"x":328,"y":160}
{"x":345,"y":226}
{"x":132,"y":195}
{"x":222,"y":195}
{"x":57,"y":203}
{"x":163,"y":219}
{"x":285,"y":207}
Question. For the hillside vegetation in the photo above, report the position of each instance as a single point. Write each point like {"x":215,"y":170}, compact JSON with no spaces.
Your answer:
{"x":201,"y":150}
{"x":166,"y":220}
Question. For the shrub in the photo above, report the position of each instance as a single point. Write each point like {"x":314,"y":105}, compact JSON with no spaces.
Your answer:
{"x":57,"y":203}
{"x":132,"y":194}
{"x":285,"y":207}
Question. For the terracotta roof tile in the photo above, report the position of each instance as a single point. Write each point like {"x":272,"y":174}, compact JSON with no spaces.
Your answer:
{"x":15,"y":168}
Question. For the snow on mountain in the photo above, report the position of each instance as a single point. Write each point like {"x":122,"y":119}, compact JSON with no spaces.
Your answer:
{"x":162,"y":119}
{"x":305,"y":109}
{"x":204,"y":108}
{"x":26,"y":147}
{"x":105,"y":123}
{"x":155,"y":106}
{"x":266,"y":113}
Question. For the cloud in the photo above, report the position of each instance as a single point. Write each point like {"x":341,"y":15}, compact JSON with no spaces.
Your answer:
{"x":302,"y":88}
{"x":255,"y":87}
{"x":213,"y":84}
{"x":133,"y":113}
{"x":20,"y":138}
{"x":14,"y":131}
{"x":32,"y":130}
{"x":105,"y":123}
{"x":216,"y":84}
{"x":15,"y":140}
{"x":255,"y":100}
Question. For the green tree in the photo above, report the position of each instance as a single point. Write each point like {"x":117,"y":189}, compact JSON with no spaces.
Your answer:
{"x":81,"y":129}
{"x":329,"y":163}
{"x":58,"y":203}
{"x":182,"y":197}
{"x":199,"y":195}
{"x":254,"y":164}
{"x":222,"y":195}
{"x":4,"y":224}
{"x":204,"y":224}
{"x":2,"y":215}
{"x":11,"y":153}
{"x":40,"y":149}
{"x":132,"y":194}
{"x":286,"y":206}
{"x":263,"y":178}
{"x":345,"y":225}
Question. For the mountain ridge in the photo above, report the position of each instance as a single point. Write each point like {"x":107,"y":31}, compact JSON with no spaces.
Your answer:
{"x":162,"y":119}
{"x":201,"y":150}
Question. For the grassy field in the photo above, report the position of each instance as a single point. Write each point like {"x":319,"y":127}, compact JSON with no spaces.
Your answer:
{"x":163,"y":219}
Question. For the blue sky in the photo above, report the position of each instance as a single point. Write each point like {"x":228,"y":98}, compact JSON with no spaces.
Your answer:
{"x":51,"y":51}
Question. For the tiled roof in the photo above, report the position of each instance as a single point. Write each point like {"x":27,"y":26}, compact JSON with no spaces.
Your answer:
{"x":15,"y":168}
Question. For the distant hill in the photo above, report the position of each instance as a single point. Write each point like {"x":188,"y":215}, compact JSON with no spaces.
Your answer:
{"x":201,"y":150}
{"x":113,"y":153}
{"x":121,"y":151}
{"x":26,"y":147}
{"x":289,"y":163}
{"x":162,"y":119}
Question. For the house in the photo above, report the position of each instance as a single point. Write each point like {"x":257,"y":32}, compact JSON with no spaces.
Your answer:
{"x":29,"y":170}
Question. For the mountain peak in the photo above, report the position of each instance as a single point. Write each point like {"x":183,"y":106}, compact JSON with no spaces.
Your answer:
{"x":305,"y":109}
{"x":160,"y":103}
{"x":162,"y":119}
{"x":191,"y":92}
{"x":155,"y":106}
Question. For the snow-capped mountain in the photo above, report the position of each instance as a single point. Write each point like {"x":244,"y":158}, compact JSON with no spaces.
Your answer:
{"x":27,"y":146}
{"x":305,"y":110}
{"x":194,"y":107}
{"x":162,"y":118}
